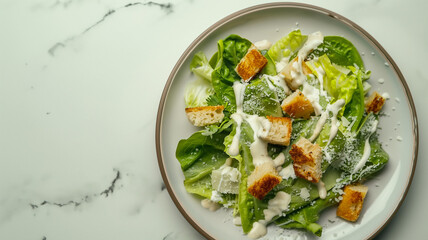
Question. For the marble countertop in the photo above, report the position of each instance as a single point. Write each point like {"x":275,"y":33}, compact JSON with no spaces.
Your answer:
{"x":80,"y":83}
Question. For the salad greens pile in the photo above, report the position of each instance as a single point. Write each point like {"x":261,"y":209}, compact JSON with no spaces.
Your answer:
{"x":338,"y":73}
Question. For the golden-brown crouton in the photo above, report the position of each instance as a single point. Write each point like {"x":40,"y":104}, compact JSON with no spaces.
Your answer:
{"x":352,"y":203}
{"x":262,"y":180}
{"x":297,"y":105}
{"x":291,"y":66}
{"x":280,"y":131}
{"x":250,"y":64}
{"x":203,"y":116}
{"x":374,"y":103}
{"x":307,"y":158}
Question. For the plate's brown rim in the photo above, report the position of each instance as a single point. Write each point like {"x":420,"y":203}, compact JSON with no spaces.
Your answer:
{"x":261,"y":7}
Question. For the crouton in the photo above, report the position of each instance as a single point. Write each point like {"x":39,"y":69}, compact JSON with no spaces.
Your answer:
{"x":203,"y":116}
{"x":250,"y":64}
{"x":291,"y":66}
{"x":280,"y":131}
{"x":263,"y":179}
{"x":297,"y":105}
{"x":374,"y":103}
{"x":307,"y":158}
{"x":352,"y":203}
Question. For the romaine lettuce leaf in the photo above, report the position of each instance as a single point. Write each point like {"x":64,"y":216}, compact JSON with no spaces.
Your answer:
{"x":197,"y":146}
{"x":261,"y":100}
{"x":230,"y":52}
{"x":198,"y":156}
{"x":307,"y":217}
{"x":287,"y":46}
{"x":343,"y":83}
{"x":250,"y":208}
{"x":201,"y":67}
{"x":339,"y":50}
{"x":198,"y":91}
{"x":354,"y":110}
{"x":269,"y":68}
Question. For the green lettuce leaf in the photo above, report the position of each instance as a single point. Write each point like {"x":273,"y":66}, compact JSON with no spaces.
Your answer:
{"x":346,"y":152}
{"x":343,"y":83}
{"x":261,"y":100}
{"x":198,"y":146}
{"x":354,"y":111}
{"x":201,"y":67}
{"x":287,"y":46}
{"x":307,"y":217}
{"x":339,"y":50}
{"x":337,"y":84}
{"x":198,"y":91}
{"x":199,"y":155}
{"x":250,"y":208}
{"x":269,"y":68}
{"x":230,"y":52}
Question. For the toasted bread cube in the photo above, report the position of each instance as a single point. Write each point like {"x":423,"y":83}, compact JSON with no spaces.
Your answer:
{"x":374,"y":103}
{"x":279,"y":132}
{"x":291,"y":66}
{"x":203,"y":116}
{"x":297,"y":105}
{"x":352,"y":203}
{"x":250,"y":64}
{"x":263,"y":179}
{"x":307,"y":158}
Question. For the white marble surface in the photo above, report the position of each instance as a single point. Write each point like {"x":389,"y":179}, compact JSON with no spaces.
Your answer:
{"x":80,"y":83}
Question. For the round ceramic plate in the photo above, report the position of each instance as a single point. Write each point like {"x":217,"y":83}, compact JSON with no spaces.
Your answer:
{"x":398,"y":125}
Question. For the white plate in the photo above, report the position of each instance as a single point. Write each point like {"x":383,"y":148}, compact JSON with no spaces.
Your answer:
{"x":398,"y":133}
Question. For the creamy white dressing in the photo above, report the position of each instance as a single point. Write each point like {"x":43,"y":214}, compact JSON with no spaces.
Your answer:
{"x":263,"y":45}
{"x":314,"y":40}
{"x":288,"y":172}
{"x":234,"y":146}
{"x":365,"y":157}
{"x":239,"y":90}
{"x":321,"y":73}
{"x":313,"y":95}
{"x":367,"y":149}
{"x":276,"y":206}
{"x":237,"y":221}
{"x":258,"y":231}
{"x":334,"y":108}
{"x":279,"y":160}
{"x":279,"y":82}
{"x":320,"y":124}
{"x":322,"y":191}
{"x":210,"y":205}
{"x":260,"y":125}
{"x":258,"y":148}
{"x":281,"y":64}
